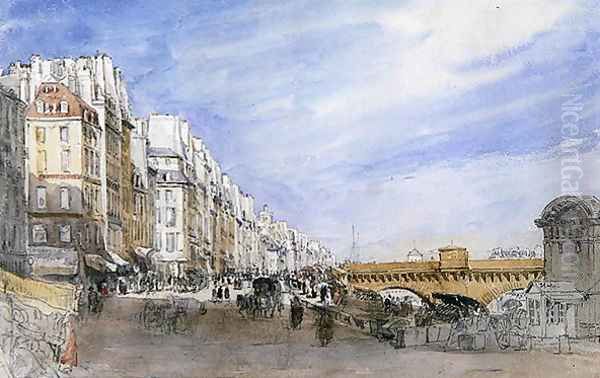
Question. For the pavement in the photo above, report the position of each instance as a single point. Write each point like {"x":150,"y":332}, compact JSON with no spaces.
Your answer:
{"x":222,"y":343}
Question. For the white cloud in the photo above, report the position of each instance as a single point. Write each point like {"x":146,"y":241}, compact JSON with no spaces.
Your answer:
{"x":451,"y":35}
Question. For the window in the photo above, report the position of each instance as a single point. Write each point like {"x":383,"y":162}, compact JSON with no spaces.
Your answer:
{"x":64,"y":134}
{"x":171,"y":217}
{"x":65,"y":159}
{"x":40,"y":194}
{"x":96,"y":165}
{"x":64,"y":231}
{"x":88,"y":234}
{"x":64,"y":107}
{"x":560,"y":312}
{"x":534,"y":311}
{"x":98,"y":234}
{"x":170,"y":242}
{"x":157,"y":240}
{"x":64,"y":198}
{"x":40,"y":134}
{"x":169,"y":198}
{"x":39,"y":106}
{"x":41,"y":162}
{"x":39,"y":234}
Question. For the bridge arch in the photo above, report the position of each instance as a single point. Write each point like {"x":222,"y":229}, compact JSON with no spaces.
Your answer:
{"x":422,"y":296}
{"x":482,"y":287}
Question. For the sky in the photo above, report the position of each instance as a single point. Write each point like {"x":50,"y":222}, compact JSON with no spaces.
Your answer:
{"x":421,"y":122}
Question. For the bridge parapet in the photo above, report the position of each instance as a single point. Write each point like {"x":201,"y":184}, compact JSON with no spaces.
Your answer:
{"x":397,"y":267}
{"x":482,"y":280}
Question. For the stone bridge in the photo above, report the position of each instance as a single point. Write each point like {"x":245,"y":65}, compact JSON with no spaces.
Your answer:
{"x":453,"y":273}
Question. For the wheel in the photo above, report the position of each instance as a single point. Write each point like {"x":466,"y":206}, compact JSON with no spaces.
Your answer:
{"x":502,"y":332}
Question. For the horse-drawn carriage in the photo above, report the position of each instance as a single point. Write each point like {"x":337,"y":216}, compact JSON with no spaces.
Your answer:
{"x":472,"y":330}
{"x":171,"y":315}
{"x":263,"y":301}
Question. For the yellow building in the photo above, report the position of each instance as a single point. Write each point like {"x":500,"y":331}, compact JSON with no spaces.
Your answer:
{"x":62,"y":139}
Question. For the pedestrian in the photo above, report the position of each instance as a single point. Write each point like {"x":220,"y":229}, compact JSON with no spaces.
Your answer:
{"x":296,"y":313}
{"x":92,"y":299}
{"x":226,"y":292}
{"x":122,"y":286}
{"x":220,"y":293}
{"x":324,"y":331}
{"x":386,"y":304}
{"x":214,"y":293}
{"x":323,"y":293}
{"x":328,"y":296}
{"x":104,"y":289}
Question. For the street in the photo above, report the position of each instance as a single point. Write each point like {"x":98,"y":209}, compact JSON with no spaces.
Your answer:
{"x":223,"y":344}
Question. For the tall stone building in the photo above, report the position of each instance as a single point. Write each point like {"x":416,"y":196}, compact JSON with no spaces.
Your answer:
{"x":127,"y":194}
{"x":144,"y":190}
{"x":13,"y":232}
{"x":173,"y":191}
{"x":98,"y":83}
{"x":65,"y":209}
{"x":571,"y":226}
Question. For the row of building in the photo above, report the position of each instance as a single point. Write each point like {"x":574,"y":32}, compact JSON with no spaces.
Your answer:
{"x":84,"y":183}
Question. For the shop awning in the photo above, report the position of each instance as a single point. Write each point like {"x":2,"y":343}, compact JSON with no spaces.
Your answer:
{"x":143,"y":252}
{"x":117,"y":259}
{"x":100,"y":264}
{"x":172,"y":256}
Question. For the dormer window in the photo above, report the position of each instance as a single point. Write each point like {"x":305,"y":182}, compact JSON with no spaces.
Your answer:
{"x":39,"y":106}
{"x":64,"y":107}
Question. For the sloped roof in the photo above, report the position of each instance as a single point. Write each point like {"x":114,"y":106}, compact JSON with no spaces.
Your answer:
{"x":53,"y":94}
{"x":172,"y":176}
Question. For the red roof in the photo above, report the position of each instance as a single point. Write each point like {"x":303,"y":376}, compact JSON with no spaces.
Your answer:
{"x":48,"y":99}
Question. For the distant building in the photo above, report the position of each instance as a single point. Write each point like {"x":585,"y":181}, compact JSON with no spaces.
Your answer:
{"x":13,"y":212}
{"x":414,"y":255}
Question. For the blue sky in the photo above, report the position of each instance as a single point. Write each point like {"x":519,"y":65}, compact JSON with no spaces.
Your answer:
{"x":419,"y":121}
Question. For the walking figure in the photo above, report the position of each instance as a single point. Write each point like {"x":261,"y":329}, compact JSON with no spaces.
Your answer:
{"x":296,"y":313}
{"x":324,"y":332}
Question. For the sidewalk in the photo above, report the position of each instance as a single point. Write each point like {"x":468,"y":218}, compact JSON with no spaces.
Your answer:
{"x":202,"y":295}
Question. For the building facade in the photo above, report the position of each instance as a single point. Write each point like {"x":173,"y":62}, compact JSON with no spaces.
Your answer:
{"x":13,"y":212}
{"x":96,"y":81}
{"x":144,"y":191}
{"x":65,"y":209}
{"x":142,"y":183}
{"x":571,"y":226}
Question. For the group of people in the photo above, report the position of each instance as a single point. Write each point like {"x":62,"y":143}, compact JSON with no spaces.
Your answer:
{"x":396,"y":304}
{"x":96,"y":296}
